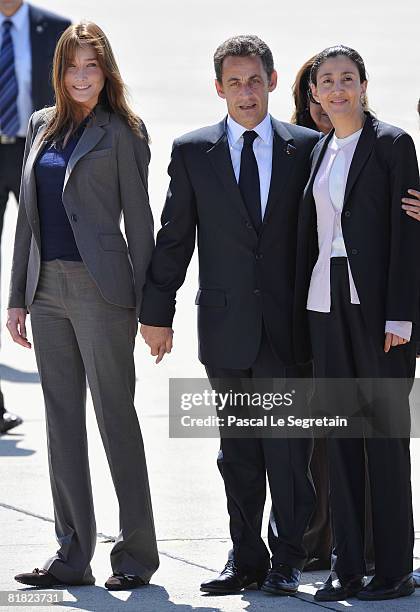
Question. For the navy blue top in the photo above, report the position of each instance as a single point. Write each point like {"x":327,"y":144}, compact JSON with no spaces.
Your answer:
{"x":57,"y":238}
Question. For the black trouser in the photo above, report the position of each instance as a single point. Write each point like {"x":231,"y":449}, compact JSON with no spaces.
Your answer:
{"x":244,"y":464}
{"x":343,"y":349}
{"x":318,"y":537}
{"x":11,"y":157}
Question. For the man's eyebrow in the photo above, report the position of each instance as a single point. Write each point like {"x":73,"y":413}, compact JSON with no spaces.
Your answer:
{"x":236,"y":78}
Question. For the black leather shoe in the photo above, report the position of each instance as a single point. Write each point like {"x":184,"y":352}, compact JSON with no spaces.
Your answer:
{"x":337,"y":590}
{"x":38,"y":578}
{"x":386,"y":588}
{"x":231,"y":580}
{"x":123,"y":582}
{"x":282,"y":580}
{"x":8,"y":421}
{"x":416,"y":577}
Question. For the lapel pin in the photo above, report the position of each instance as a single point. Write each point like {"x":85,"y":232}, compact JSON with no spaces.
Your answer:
{"x":39,"y":29}
{"x":289,"y":149}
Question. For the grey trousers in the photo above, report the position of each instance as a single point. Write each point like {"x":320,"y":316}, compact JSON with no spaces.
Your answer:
{"x":77,"y":334}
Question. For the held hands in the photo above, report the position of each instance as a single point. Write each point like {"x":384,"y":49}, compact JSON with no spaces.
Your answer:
{"x":412,"y":205}
{"x":393,"y":340}
{"x":16,"y":325}
{"x":159,"y":339}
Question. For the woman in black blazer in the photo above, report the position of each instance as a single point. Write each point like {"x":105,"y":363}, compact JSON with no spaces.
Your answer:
{"x":357,"y":276}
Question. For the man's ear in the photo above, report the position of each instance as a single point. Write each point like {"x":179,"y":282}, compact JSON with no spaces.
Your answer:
{"x":219,"y":89}
{"x":272,"y":84}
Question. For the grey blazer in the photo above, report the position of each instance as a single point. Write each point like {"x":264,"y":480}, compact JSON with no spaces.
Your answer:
{"x":106,"y":178}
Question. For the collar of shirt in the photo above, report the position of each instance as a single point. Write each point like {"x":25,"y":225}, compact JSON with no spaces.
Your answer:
{"x":263,"y":129}
{"x":338,"y":143}
{"x":19,"y":18}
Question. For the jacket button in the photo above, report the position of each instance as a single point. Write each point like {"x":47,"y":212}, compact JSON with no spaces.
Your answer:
{"x":354,"y":251}
{"x":258,"y":256}
{"x":257,"y":292}
{"x":73,"y":217}
{"x":347,"y":213}
{"x":249,"y":225}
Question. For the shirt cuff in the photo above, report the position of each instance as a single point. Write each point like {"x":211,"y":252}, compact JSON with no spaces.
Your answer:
{"x":399,"y":328}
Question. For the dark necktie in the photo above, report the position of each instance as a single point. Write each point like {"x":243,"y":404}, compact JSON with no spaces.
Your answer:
{"x":249,"y":180}
{"x":9,"y":118}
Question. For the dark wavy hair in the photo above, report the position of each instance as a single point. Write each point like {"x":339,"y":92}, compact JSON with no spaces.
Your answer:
{"x":245,"y":45}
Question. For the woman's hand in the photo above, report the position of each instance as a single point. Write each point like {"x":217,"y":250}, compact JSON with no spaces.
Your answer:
{"x":16,"y":325}
{"x":393,"y":340}
{"x":412,"y":205}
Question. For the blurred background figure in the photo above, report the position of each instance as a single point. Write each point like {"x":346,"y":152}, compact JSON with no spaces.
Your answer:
{"x":307,"y":111}
{"x":28,"y":36}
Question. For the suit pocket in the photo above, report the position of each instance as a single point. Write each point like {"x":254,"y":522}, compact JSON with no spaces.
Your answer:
{"x":97,"y":154}
{"x":214,"y":298}
{"x":112,"y":242}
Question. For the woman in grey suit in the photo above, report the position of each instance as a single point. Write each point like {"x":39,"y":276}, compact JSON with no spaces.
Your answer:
{"x":86,"y":164}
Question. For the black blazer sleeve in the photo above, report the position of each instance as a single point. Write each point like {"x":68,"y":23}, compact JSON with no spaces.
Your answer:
{"x":175,"y":244}
{"x":404,"y":269}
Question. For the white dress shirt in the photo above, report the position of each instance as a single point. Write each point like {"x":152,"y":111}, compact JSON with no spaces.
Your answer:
{"x":337,"y":185}
{"x":263,"y":151}
{"x":20,"y":32}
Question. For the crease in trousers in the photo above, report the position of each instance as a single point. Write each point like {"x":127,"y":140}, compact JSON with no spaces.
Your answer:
{"x":78,"y":335}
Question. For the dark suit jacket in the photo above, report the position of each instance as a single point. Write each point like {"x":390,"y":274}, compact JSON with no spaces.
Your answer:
{"x":45,"y":30}
{"x":382,"y":242}
{"x":245,"y":278}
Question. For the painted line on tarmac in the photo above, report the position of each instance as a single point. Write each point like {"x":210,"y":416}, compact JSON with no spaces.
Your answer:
{"x":107,"y":538}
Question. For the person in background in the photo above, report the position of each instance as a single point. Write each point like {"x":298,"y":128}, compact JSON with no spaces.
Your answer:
{"x":86,"y":165}
{"x":28,"y":36}
{"x":358,"y":277}
{"x":308,"y":112}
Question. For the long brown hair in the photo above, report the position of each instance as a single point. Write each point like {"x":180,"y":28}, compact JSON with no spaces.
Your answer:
{"x":66,"y":115}
{"x":301,"y":96}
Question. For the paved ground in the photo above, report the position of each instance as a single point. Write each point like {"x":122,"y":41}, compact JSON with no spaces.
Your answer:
{"x":169,"y":71}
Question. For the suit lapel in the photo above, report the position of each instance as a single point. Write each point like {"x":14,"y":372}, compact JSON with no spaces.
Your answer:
{"x":363,"y":150}
{"x":220,"y":159}
{"x":88,"y":140}
{"x":318,"y":156}
{"x":282,"y":162}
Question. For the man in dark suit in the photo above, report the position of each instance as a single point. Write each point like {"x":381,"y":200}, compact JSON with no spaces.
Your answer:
{"x":237,"y":185}
{"x":28,"y":36}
